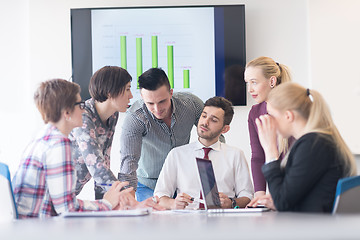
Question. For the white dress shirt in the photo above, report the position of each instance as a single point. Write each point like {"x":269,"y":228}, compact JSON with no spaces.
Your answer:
{"x":180,"y":172}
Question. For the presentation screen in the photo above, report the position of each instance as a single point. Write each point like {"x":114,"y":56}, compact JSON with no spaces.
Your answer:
{"x":201,"y":48}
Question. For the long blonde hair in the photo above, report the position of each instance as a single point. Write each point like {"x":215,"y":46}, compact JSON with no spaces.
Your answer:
{"x":271,"y":68}
{"x":313,"y":108}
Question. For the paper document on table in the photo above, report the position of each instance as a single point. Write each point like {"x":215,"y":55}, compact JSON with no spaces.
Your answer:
{"x":178,"y":211}
{"x":238,"y":210}
{"x":114,"y":213}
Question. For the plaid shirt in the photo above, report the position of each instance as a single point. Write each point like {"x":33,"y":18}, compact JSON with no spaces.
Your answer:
{"x":44,"y":184}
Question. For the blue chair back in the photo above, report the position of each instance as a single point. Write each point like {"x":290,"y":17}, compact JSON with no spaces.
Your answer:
{"x":8,"y":208}
{"x":347,"y":196}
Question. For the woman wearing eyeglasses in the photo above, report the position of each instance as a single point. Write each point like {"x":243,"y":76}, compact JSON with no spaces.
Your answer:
{"x":44,"y":184}
{"x":110,"y":94}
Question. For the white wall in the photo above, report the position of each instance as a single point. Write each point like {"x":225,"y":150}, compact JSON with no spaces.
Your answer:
{"x":335,"y":50}
{"x":37,"y":47}
{"x":17,"y":113}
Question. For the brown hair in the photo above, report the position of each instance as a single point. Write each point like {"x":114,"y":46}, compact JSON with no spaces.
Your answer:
{"x":225,"y":105}
{"x":108,"y":81}
{"x":271,"y":68}
{"x":313,"y":108}
{"x":54,"y":96}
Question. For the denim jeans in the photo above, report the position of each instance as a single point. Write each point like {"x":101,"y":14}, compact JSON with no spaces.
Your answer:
{"x":143,"y":192}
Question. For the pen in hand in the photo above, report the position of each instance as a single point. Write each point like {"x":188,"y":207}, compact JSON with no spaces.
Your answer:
{"x":104,"y":184}
{"x":197,"y":200}
{"x":110,"y":184}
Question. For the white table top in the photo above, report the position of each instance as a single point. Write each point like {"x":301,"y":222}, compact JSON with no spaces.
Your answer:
{"x":268,"y":225}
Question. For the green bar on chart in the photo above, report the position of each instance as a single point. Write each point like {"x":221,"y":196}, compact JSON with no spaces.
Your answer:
{"x":139,"y":67}
{"x":154,"y":51}
{"x":186,"y":77}
{"x":123,"y":52}
{"x":170,"y":58}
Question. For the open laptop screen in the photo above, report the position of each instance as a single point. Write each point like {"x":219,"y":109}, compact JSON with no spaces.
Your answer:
{"x":208,"y":183}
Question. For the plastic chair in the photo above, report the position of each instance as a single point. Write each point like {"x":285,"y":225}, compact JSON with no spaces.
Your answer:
{"x":347,"y":195}
{"x":8,"y":210}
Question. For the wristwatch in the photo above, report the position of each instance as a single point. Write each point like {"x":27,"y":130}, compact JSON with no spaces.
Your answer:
{"x":233,"y":202}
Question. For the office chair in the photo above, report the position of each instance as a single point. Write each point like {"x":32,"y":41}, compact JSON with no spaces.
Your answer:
{"x":347,"y":196}
{"x":8,"y":210}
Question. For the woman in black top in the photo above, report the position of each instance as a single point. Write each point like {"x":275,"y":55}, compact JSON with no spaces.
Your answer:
{"x":305,"y":180}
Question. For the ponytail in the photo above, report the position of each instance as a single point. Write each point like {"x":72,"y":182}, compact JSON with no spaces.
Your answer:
{"x":284,"y":74}
{"x":313,"y":108}
{"x":320,"y":120}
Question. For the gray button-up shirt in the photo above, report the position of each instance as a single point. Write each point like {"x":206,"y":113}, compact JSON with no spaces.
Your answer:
{"x":145,"y":140}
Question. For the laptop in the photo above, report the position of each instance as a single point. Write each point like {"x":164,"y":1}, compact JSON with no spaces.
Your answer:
{"x":210,"y":191}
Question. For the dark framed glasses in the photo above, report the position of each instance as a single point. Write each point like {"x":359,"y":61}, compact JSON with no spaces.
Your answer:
{"x":81,"y":104}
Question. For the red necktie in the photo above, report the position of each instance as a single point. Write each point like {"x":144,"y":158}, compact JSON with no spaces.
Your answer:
{"x":206,"y":156}
{"x":206,"y":152}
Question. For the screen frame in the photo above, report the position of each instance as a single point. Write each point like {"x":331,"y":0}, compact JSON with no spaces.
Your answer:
{"x":208,"y":183}
{"x":81,"y":47}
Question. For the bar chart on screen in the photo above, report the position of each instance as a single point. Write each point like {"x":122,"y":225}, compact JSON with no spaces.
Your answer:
{"x":172,"y":40}
{"x":155,"y":59}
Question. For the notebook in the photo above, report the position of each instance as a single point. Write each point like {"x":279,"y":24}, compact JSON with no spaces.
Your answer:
{"x":210,"y":191}
{"x":114,"y":213}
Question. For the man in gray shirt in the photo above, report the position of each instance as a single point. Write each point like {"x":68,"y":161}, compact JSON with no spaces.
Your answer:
{"x":152,"y":127}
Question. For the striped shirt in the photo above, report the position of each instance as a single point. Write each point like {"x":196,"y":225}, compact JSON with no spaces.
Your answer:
{"x":145,"y":140}
{"x":44,"y":184}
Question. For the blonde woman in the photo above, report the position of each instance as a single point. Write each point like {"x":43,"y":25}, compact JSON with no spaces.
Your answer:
{"x":261,"y":76}
{"x":305,"y":180}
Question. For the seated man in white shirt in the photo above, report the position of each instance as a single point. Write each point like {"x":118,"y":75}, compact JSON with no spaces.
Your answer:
{"x":179,"y":173}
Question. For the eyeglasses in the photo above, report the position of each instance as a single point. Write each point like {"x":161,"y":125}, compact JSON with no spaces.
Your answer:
{"x":81,"y":104}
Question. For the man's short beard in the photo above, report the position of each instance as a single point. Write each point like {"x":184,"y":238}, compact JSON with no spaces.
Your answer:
{"x":211,"y":136}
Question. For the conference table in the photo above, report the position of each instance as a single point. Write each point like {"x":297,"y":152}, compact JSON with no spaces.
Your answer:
{"x":188,"y":225}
